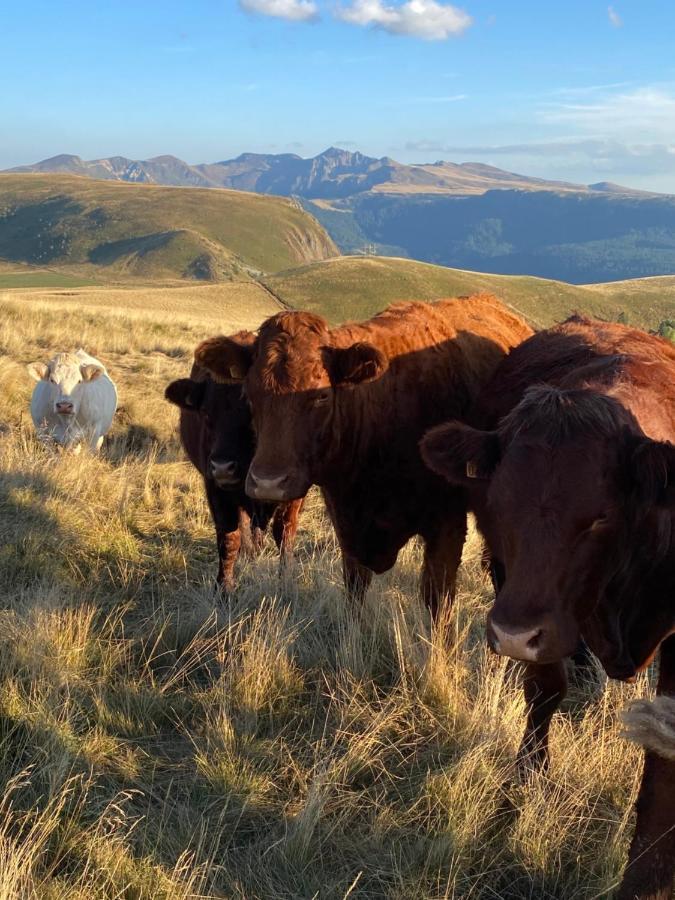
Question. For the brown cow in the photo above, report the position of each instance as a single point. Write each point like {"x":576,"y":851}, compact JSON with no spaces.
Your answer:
{"x":575,"y":491}
{"x":344,"y":408}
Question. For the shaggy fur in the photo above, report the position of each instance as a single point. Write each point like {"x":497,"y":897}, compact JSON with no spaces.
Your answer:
{"x":651,"y":723}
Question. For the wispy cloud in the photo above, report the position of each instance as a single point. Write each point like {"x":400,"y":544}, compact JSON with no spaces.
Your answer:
{"x":293,"y":10}
{"x":650,"y":109}
{"x":614,"y":18}
{"x":605,"y":158}
{"x":426,"y":19}
{"x":451,"y":98}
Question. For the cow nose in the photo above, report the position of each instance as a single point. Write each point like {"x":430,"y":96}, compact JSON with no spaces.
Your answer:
{"x":266,"y":488}
{"x":517,"y":643}
{"x":64,"y":406}
{"x":224,"y":471}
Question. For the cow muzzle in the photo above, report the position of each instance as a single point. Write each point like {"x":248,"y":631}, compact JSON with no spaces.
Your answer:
{"x":541,"y":643}
{"x":267,"y":488}
{"x":64,"y":408}
{"x":224,"y":472}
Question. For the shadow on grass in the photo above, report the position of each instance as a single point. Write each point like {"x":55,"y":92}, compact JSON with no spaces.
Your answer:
{"x":33,"y":543}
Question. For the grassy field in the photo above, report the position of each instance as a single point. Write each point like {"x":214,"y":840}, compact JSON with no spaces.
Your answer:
{"x":358,"y":286}
{"x":229,"y":306}
{"x":117,"y":230}
{"x":40,"y":280}
{"x":159,"y":743}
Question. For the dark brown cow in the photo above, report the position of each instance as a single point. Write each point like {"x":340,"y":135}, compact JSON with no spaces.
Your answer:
{"x":575,"y":490}
{"x":216,"y":433}
{"x":344,"y":408}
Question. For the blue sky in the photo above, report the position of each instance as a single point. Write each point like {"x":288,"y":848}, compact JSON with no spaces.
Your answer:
{"x":577,"y":90}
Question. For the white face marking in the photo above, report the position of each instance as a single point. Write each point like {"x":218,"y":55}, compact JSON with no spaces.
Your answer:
{"x":65,"y":379}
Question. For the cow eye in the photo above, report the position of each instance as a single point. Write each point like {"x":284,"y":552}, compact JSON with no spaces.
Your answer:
{"x":321,"y":399}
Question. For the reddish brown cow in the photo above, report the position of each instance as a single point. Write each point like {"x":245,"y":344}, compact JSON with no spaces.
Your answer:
{"x":344,"y":408}
{"x":216,"y":434}
{"x":575,"y":489}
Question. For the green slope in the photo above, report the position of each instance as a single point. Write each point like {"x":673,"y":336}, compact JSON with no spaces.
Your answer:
{"x":355,"y":287}
{"x":649,"y":300}
{"x":112,"y":229}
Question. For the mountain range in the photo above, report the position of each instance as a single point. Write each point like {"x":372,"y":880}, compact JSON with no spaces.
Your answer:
{"x":333,"y":174}
{"x":460,"y":215}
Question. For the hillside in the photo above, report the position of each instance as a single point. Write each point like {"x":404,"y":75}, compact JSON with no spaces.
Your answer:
{"x":112,"y":229}
{"x":331,"y":174}
{"x":569,"y":236}
{"x":356,"y":287}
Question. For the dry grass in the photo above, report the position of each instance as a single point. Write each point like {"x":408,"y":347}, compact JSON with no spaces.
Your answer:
{"x":160,"y":744}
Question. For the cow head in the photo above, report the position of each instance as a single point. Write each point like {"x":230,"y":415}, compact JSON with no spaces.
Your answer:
{"x":293,"y":378}
{"x":65,"y":376}
{"x":568,"y":475}
{"x":226,"y":425}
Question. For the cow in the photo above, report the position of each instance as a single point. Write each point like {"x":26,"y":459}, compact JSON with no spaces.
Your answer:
{"x":572,"y":478}
{"x":74,"y":400}
{"x":216,"y":434}
{"x":344,"y":408}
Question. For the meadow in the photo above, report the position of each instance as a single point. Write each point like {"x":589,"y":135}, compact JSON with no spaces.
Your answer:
{"x":160,"y":742}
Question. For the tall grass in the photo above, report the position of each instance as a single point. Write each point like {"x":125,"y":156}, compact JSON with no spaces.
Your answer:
{"x":160,"y":742}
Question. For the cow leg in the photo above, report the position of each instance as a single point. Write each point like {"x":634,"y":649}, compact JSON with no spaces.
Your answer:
{"x":285,"y":526}
{"x":225,"y":513}
{"x":357,"y":579}
{"x":545,"y":687}
{"x":651,"y":860}
{"x":442,"y":556}
{"x":246,"y":532}
{"x":261,"y":514}
{"x":258,"y":538}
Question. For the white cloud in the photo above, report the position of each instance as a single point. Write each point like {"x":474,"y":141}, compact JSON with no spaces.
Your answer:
{"x":294,"y":10}
{"x":426,"y":19}
{"x":451,"y":98}
{"x":648,"y":110}
{"x":614,"y":17}
{"x":598,"y":158}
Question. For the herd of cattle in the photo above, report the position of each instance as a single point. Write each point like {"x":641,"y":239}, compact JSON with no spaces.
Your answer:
{"x":560,"y":442}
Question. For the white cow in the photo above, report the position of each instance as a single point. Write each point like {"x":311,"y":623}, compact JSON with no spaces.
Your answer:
{"x":74,"y":400}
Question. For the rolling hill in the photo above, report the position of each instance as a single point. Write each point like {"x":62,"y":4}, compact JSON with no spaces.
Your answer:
{"x":108,"y":230}
{"x":342,"y":288}
{"x":355,"y":287}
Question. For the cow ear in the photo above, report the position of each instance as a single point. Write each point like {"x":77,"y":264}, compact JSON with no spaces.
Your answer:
{"x":651,"y":470}
{"x":186,"y":393}
{"x":38,"y":371}
{"x":459,"y":453}
{"x":90,"y":372}
{"x":227,"y":359}
{"x":354,"y":365}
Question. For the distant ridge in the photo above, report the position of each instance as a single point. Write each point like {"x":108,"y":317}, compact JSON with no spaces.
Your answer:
{"x":331,"y":175}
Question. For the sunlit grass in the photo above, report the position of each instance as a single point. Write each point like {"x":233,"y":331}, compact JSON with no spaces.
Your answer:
{"x":159,"y":742}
